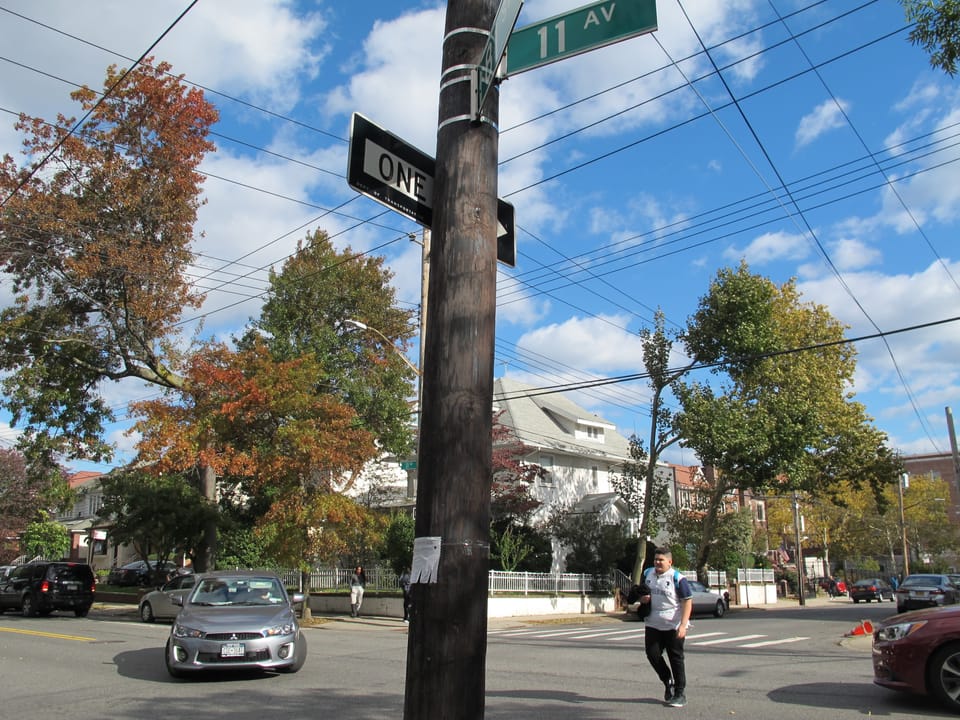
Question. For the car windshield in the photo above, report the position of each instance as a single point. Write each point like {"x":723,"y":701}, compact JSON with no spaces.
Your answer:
{"x":237,"y":591}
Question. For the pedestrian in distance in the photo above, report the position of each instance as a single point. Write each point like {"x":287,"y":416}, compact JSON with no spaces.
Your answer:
{"x":407,"y":594}
{"x":671,"y":602}
{"x":357,"y":584}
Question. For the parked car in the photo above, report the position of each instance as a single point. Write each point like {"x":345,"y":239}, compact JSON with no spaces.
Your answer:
{"x":871,"y":589}
{"x":235,"y":621}
{"x":159,"y":604}
{"x":919,"y":652}
{"x":39,"y":588}
{"x":926,"y":590}
{"x":139,"y":572}
{"x":704,"y":601}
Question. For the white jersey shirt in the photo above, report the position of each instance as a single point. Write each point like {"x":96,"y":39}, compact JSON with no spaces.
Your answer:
{"x":667,"y":593}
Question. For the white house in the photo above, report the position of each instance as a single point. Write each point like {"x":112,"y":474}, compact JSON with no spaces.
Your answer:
{"x":580,"y":451}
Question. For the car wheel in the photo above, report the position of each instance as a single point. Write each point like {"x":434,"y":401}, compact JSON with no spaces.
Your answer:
{"x":81,"y":611}
{"x":943,"y":675}
{"x":28,"y":607}
{"x":719,"y":609}
{"x":901,"y":608}
{"x":855,"y":601}
{"x":300,"y":656}
{"x":146,"y":613}
{"x":174,"y":672}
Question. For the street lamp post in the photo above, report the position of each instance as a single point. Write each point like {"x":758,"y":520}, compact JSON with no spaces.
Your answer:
{"x":902,"y":482}
{"x":411,"y":491}
{"x":363,"y":326}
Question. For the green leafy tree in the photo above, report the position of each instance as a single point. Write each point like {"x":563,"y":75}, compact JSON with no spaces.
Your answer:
{"x":397,"y":546}
{"x":936,"y":30}
{"x":647,"y":496}
{"x":158,"y":515}
{"x":45,"y":538}
{"x":780,"y":415}
{"x":307,"y":312}
{"x":596,"y":547}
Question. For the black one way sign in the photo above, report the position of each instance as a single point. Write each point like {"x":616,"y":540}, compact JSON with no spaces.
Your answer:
{"x":385,"y":168}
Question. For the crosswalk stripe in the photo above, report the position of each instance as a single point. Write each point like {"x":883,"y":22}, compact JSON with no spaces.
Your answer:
{"x":637,"y":633}
{"x":774,"y":642}
{"x":538,"y":632}
{"x":736,"y":638}
{"x":606,"y":633}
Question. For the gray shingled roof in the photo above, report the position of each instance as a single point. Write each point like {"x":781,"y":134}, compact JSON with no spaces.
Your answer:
{"x":546,"y":422}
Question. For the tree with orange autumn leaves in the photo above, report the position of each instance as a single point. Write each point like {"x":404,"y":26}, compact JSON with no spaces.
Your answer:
{"x":266,"y":427}
{"x":95,"y":232}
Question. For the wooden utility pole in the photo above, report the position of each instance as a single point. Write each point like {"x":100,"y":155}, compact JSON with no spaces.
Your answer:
{"x":446,"y":652}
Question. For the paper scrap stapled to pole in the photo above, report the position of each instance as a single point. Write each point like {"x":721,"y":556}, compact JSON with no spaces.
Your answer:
{"x":426,"y":560}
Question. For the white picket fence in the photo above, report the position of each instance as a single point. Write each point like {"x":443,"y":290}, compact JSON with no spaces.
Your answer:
{"x":499,"y":581}
{"x":384,"y":579}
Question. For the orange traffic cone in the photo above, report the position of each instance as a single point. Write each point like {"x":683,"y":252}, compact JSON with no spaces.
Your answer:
{"x":864,"y":628}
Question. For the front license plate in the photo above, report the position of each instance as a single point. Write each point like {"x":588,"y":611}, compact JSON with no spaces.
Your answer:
{"x":232,"y":650}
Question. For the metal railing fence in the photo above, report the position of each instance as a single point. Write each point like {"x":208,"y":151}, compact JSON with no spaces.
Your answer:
{"x":499,"y":581}
{"x":384,"y":579}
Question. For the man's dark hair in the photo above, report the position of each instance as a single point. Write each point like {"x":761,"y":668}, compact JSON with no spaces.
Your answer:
{"x":663,"y":551}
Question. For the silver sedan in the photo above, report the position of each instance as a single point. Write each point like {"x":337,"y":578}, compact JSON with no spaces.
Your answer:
{"x":159,"y":604}
{"x":236,"y":621}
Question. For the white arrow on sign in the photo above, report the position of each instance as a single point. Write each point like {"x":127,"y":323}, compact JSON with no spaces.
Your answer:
{"x":394,"y":173}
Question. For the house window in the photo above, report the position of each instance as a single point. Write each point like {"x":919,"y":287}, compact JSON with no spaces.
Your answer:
{"x":546,"y":462}
{"x":594,"y":433}
{"x":761,"y":514}
{"x":594,"y":476}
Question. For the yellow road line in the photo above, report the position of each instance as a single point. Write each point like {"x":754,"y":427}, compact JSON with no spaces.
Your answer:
{"x":58,"y":636}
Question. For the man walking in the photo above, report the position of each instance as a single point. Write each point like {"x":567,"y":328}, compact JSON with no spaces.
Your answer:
{"x":671,"y":603}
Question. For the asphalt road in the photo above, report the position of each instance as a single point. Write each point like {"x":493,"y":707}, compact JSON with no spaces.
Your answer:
{"x":791,"y":663}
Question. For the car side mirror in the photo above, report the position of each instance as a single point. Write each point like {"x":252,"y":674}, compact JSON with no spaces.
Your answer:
{"x":297,"y":598}
{"x":177,"y":600}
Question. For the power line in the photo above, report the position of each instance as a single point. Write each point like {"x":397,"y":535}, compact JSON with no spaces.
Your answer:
{"x":123,"y":76}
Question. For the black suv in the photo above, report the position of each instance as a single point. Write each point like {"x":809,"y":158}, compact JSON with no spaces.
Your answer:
{"x":39,"y":588}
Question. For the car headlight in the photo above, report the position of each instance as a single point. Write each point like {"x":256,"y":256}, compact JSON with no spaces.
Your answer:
{"x":284,"y":629}
{"x":899,"y":631}
{"x":183,"y":631}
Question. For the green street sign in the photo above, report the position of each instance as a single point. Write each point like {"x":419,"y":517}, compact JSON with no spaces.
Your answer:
{"x":486,"y":70}
{"x":408,"y":465}
{"x":580,"y":30}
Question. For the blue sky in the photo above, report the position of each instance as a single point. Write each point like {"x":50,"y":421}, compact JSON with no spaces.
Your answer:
{"x":634,"y":174}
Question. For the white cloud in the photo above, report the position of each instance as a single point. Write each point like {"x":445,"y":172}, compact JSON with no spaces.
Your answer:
{"x":770,"y":247}
{"x":596,"y":344}
{"x":853,"y":254}
{"x":825,"y":117}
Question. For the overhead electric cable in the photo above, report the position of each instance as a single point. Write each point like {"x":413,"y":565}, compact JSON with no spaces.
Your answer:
{"x":81,"y":121}
{"x":806,"y":225}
